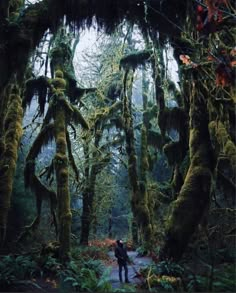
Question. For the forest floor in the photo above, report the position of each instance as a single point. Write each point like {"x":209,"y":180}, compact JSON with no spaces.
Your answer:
{"x":41,"y":284}
{"x":133,"y":275}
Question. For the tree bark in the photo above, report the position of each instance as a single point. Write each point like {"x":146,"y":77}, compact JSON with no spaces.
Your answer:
{"x":62,"y":176}
{"x":194,"y":196}
{"x":9,"y":147}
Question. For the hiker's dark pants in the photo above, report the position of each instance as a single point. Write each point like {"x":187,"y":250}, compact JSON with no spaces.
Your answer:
{"x":120,"y":271}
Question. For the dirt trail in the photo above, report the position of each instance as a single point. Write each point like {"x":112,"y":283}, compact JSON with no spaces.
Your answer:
{"x":139,"y":262}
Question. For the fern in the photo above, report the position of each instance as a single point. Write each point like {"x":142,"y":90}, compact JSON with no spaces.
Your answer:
{"x":13,"y":269}
{"x":169,"y":268}
{"x":104,"y":284}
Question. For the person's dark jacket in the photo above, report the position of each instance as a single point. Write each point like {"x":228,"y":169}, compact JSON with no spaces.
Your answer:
{"x":121,"y":254}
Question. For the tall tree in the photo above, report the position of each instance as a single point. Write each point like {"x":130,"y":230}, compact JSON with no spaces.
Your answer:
{"x":62,"y":113}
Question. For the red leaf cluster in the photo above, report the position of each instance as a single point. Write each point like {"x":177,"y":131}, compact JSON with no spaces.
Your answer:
{"x":208,"y":18}
{"x":187,"y":61}
{"x":225,"y":75}
{"x":213,"y":9}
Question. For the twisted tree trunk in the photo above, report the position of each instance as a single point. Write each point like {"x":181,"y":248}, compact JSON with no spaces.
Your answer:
{"x":194,"y":195}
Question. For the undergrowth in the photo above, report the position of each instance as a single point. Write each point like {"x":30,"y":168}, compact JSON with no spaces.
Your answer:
{"x":83,"y":272}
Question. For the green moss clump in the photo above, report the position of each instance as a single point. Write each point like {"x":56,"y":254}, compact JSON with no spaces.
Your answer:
{"x":59,"y":73}
{"x":188,"y":209}
{"x":222,"y":142}
{"x":10,"y":144}
{"x":194,"y":141}
{"x":230,"y":151}
{"x":59,"y":83}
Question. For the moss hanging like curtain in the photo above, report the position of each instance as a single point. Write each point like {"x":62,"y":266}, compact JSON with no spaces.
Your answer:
{"x":194,"y":196}
{"x":10,"y":144}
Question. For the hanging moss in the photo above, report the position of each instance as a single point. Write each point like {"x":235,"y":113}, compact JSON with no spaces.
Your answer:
{"x":77,"y":118}
{"x":71,"y":157}
{"x":174,"y":152}
{"x":114,"y":90}
{"x":36,"y":86}
{"x":155,"y":139}
{"x":110,"y":13}
{"x":42,"y":139}
{"x":133,"y":60}
{"x":172,"y":118}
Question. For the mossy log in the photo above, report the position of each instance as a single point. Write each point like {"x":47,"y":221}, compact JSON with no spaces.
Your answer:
{"x":12,"y":136}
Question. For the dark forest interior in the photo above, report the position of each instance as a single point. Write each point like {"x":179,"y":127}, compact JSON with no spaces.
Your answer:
{"x":117,"y":121}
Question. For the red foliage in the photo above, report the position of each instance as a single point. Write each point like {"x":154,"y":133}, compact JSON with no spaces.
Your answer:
{"x":187,"y":61}
{"x":109,"y":243}
{"x":208,"y":18}
{"x":233,"y":52}
{"x":213,"y":9}
{"x":201,"y":15}
{"x":224,"y":75}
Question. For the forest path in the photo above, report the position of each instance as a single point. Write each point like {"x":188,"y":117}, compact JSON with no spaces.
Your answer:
{"x":138,"y":262}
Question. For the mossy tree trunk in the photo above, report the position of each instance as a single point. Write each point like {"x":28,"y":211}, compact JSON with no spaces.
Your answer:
{"x":85,"y":211}
{"x":25,"y":35}
{"x":139,"y":201}
{"x":144,"y":167}
{"x":62,"y":177}
{"x":9,"y":154}
{"x":194,"y":196}
{"x":89,"y":193}
{"x":94,"y":164}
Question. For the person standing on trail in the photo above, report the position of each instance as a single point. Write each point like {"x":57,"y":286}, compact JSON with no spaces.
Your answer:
{"x":122,"y":259}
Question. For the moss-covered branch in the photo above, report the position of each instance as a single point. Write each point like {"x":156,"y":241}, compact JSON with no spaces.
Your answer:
{"x":133,"y":60}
